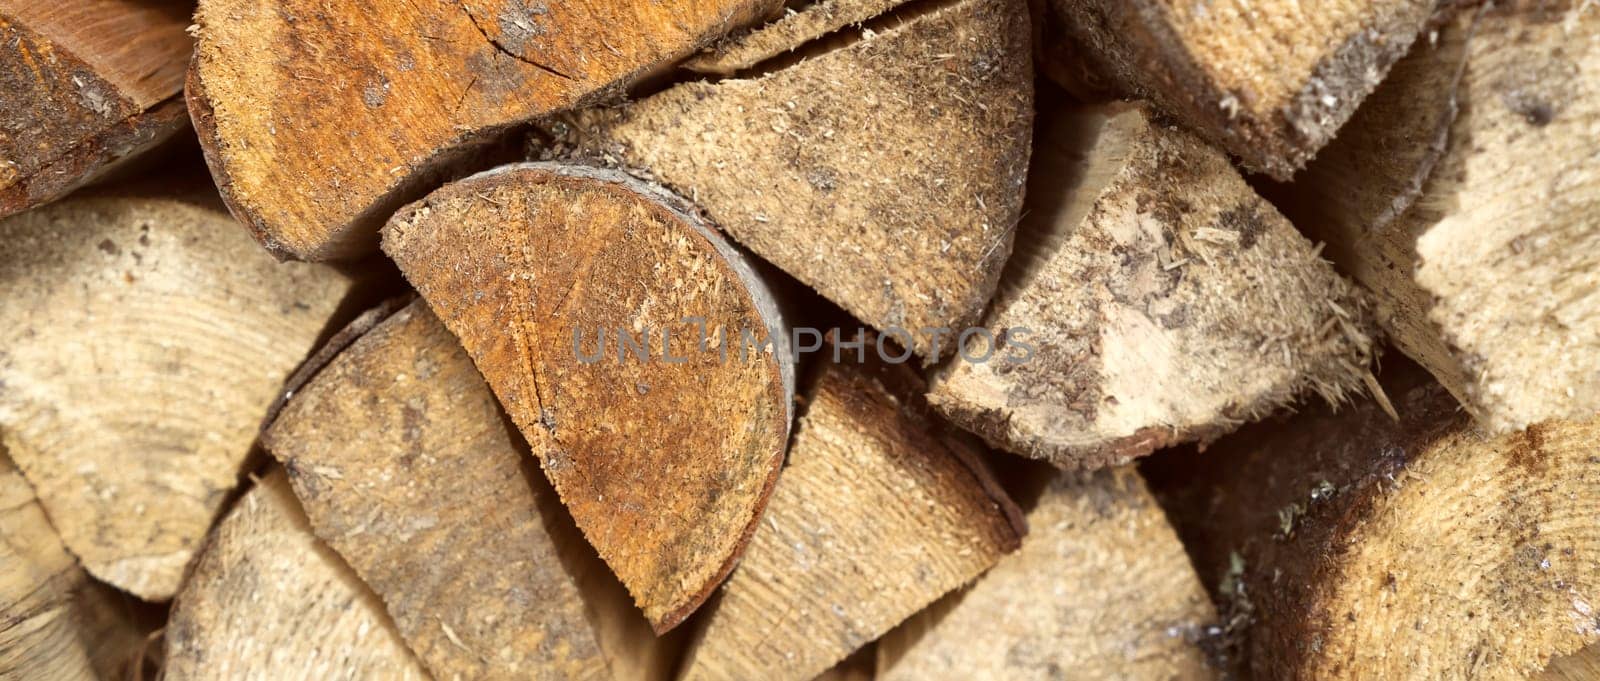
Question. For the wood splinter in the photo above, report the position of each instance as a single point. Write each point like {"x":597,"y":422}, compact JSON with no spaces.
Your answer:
{"x":624,"y":337}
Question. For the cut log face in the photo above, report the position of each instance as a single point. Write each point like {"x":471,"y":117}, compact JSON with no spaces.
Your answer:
{"x":1268,"y":81}
{"x":406,"y":467}
{"x":1154,"y":299}
{"x":880,"y":512}
{"x":320,"y":119}
{"x":142,"y":340}
{"x":662,"y":442}
{"x":1480,"y":238}
{"x":87,"y":84}
{"x":1100,"y":590}
{"x":780,"y":37}
{"x":267,"y":599}
{"x":1350,"y":545}
{"x":885,"y":174}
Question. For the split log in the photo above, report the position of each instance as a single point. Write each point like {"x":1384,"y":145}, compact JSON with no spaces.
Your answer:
{"x":1479,"y":231}
{"x":885,"y":174}
{"x":1583,"y":665}
{"x":1154,"y":299}
{"x":664,"y":453}
{"x":1352,"y":545}
{"x":1269,"y":81}
{"x":87,"y":84}
{"x":880,"y":511}
{"x":267,"y":599}
{"x":320,"y":119}
{"x":140,"y":341}
{"x":783,"y":35}
{"x":406,"y":467}
{"x":1101,"y":589}
{"x":55,"y":623}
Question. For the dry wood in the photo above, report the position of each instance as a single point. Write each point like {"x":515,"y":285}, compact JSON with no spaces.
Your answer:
{"x":140,"y":341}
{"x":55,"y":623}
{"x":665,"y":455}
{"x":406,"y":467}
{"x":267,"y":600}
{"x":886,"y":173}
{"x":321,"y":118}
{"x":1481,"y":236}
{"x":1583,"y":665}
{"x":1270,"y":81}
{"x":1350,"y":545}
{"x":87,"y":84}
{"x":1154,"y":299}
{"x":880,"y":511}
{"x":1100,"y":590}
{"x":784,"y":34}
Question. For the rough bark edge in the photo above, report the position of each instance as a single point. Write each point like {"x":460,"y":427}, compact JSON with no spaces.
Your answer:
{"x":321,"y":357}
{"x":95,"y":156}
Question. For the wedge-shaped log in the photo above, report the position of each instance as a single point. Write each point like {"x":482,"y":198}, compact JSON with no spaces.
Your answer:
{"x":664,"y":441}
{"x":1269,"y":81}
{"x":87,"y":84}
{"x":1101,"y":589}
{"x":406,"y":467}
{"x":881,"y":511}
{"x":1350,"y":545}
{"x":319,"y":120}
{"x":267,"y":599}
{"x":55,"y":623}
{"x":784,"y":34}
{"x":1466,"y":195}
{"x":885,"y":174}
{"x":1154,"y":299}
{"x":141,"y":339}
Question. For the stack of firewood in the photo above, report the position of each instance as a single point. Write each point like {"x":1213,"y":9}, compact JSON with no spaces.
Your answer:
{"x":753,"y":339}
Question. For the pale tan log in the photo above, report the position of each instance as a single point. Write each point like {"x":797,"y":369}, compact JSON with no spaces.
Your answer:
{"x":879,"y":513}
{"x":268,"y":600}
{"x":141,"y":340}
{"x":784,"y":34}
{"x":1100,"y":590}
{"x":1154,"y":299}
{"x":1479,"y":231}
{"x":1583,"y":665}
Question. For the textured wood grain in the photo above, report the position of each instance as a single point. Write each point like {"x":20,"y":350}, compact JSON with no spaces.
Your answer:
{"x":141,"y":339}
{"x":1154,"y":299}
{"x":87,"y":84}
{"x":1350,"y":545}
{"x":1270,"y":81}
{"x":784,"y":34}
{"x":879,"y":513}
{"x":1466,"y":195}
{"x":320,"y":119}
{"x":885,"y":174}
{"x":665,"y":454}
{"x":1101,"y":589}
{"x":267,"y":600}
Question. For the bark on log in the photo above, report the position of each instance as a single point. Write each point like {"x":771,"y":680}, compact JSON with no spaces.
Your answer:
{"x":1466,"y":195}
{"x":142,"y":339}
{"x":783,"y":35}
{"x":1100,"y":590}
{"x":1154,"y":299}
{"x":1269,"y":81}
{"x":664,"y":453}
{"x":87,"y":84}
{"x":320,"y":119}
{"x":885,"y":174}
{"x":267,"y":600}
{"x":1350,"y":545}
{"x":881,"y":511}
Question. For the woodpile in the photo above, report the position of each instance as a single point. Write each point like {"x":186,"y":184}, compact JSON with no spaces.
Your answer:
{"x":800,"y":339}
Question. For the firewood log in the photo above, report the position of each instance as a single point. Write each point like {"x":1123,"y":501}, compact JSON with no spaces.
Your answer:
{"x":886,"y":173}
{"x":1466,"y":195}
{"x":881,"y":510}
{"x":783,"y":35}
{"x":1101,"y":589}
{"x":1154,"y":299}
{"x":319,"y":119}
{"x":1270,"y":81}
{"x":664,"y":441}
{"x":1351,"y":545}
{"x":267,"y":600}
{"x":87,"y":84}
{"x":141,"y":338}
